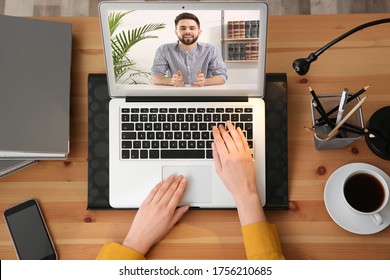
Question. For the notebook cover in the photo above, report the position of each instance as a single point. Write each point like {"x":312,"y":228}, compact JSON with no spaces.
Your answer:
{"x":35,"y":66}
{"x":8,"y":167}
{"x":276,"y":142}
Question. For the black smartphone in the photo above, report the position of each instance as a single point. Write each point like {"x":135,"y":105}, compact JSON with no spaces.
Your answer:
{"x":29,"y":232}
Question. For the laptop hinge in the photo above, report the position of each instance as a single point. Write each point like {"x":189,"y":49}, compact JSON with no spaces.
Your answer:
{"x":187,"y":99}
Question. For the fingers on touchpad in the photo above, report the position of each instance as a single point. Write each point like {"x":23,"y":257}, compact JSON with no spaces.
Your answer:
{"x":198,"y":182}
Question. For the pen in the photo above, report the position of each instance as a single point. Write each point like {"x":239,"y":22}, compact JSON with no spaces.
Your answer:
{"x":348,"y":100}
{"x":335,"y":130}
{"x":343,"y":102}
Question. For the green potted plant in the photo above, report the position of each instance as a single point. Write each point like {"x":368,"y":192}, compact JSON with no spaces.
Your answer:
{"x":122,"y":42}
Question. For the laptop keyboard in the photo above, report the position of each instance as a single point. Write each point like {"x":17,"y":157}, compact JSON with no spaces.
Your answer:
{"x":177,"y":133}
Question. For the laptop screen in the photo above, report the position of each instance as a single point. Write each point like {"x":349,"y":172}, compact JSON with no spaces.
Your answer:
{"x":141,"y":41}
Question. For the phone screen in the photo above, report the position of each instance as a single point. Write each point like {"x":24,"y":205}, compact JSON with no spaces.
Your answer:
{"x":29,"y":233}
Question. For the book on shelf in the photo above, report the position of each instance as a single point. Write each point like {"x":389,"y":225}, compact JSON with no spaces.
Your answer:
{"x":34,"y":88}
{"x":241,"y":29}
{"x":243,"y":51}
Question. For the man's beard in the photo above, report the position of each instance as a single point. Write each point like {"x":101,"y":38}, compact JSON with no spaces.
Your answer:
{"x":188,"y":41}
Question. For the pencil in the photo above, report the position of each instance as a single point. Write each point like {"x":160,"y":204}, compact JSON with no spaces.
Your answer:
{"x":353,"y":96}
{"x":315,"y":97}
{"x":336,"y":128}
{"x":323,"y":114}
{"x":350,"y":98}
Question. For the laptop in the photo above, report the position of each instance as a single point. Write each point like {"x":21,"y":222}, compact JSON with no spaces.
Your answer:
{"x":156,"y":131}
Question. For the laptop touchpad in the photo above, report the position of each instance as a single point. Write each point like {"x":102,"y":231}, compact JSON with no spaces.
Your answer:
{"x":198,"y":182}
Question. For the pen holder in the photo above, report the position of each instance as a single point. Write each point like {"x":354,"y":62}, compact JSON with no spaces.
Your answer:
{"x":345,"y":137}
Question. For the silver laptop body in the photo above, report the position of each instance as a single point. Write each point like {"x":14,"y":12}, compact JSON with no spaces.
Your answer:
{"x":131,"y":179}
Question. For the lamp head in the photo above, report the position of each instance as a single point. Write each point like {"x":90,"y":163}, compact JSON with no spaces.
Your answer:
{"x":302,"y":65}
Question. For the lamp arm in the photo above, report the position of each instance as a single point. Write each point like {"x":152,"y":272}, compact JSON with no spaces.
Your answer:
{"x":350,"y":32}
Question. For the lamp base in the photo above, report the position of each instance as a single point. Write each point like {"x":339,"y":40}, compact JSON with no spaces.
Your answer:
{"x":379,"y":125}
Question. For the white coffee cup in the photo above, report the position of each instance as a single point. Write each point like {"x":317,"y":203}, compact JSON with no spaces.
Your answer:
{"x":365,"y":192}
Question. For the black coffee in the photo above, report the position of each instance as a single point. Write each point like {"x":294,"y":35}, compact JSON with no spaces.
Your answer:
{"x":364,"y":192}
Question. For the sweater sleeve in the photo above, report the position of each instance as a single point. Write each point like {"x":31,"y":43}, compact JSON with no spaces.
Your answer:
{"x":261,"y":241}
{"x":115,"y":251}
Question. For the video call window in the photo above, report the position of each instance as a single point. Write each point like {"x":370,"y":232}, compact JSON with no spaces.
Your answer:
{"x":136,"y":34}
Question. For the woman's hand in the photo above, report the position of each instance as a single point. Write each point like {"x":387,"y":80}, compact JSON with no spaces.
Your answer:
{"x":157,"y":214}
{"x":234,"y":164}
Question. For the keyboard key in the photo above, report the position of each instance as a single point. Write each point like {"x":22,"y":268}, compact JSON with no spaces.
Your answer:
{"x":127,"y":126}
{"x":182,"y":144}
{"x":164,"y":144}
{"x":159,"y":135}
{"x":246,"y":117}
{"x":148,"y":126}
{"x":173,"y":144}
{"x":166,"y":126}
{"x":125,"y":154}
{"x":178,"y":135}
{"x":157,"y":126}
{"x":154,"y":154}
{"x":143,"y":117}
{"x":134,"y":154}
{"x":205,"y":135}
{"x":171,"y":154}
{"x":200,"y":144}
{"x":153,"y":117}
{"x":216,"y":118}
{"x":150,"y":135}
{"x":139,"y":126}
{"x":155,"y":144}
{"x":144,"y":154}
{"x":134,"y":117}
{"x":129,"y":135}
{"x":127,"y":144}
{"x":141,"y":135}
{"x":234,"y":117}
{"x":184,"y":126}
{"x":137,"y":145}
{"x":145,"y":144}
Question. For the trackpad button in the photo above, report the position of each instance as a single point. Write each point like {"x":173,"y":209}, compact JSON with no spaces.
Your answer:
{"x":198,"y":182}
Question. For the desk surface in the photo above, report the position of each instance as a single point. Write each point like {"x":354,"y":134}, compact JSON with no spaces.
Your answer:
{"x":306,"y":229}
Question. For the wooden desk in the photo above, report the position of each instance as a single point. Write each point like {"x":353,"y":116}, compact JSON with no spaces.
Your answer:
{"x":306,"y":230}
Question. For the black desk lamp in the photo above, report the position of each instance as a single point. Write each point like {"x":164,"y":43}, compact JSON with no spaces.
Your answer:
{"x":302,"y":65}
{"x":379,"y":122}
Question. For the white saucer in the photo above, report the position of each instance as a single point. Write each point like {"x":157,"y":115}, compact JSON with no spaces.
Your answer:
{"x":339,"y":212}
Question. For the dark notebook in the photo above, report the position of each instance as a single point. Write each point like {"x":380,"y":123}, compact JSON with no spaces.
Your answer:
{"x":276,"y":142}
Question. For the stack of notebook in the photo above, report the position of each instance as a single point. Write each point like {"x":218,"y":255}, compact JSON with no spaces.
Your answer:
{"x":35,"y":66}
